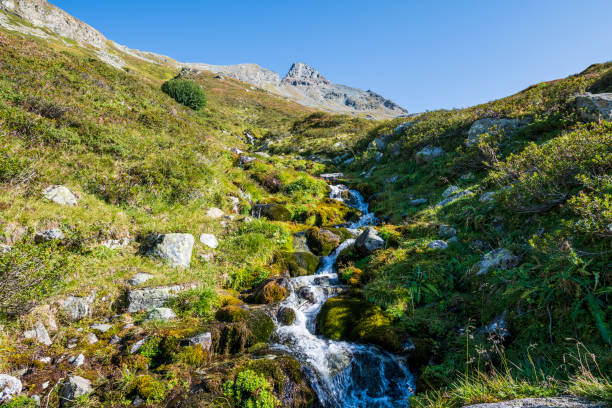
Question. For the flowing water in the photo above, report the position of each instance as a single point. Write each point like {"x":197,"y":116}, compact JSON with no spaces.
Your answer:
{"x":343,"y":374}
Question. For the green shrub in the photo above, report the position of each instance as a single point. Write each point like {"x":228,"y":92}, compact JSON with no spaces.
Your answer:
{"x":185,"y":92}
{"x":149,"y":388}
{"x":198,"y":302}
{"x":30,"y":273}
{"x":250,"y":390}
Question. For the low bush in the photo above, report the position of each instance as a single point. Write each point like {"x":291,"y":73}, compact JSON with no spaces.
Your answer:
{"x":249,"y":390}
{"x":185,"y":92}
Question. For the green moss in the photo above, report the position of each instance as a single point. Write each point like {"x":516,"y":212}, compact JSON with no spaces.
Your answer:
{"x":349,"y":317}
{"x":193,"y":356}
{"x":286,"y":316}
{"x":149,"y":388}
{"x":322,"y":241}
{"x":232,"y":314}
{"x":270,"y":292}
{"x":298,"y":263}
{"x":261,"y":327}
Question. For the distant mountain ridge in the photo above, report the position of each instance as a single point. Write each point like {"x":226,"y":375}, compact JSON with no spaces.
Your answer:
{"x":302,"y":84}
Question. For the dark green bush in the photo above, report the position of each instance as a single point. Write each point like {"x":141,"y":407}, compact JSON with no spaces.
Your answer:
{"x":185,"y":92}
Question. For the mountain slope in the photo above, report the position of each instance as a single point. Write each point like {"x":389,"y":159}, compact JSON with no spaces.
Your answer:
{"x":318,"y":95}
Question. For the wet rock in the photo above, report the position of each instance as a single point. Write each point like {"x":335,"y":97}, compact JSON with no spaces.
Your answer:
{"x":500,"y":258}
{"x":209,"y":240}
{"x":236,"y":151}
{"x":299,"y":263}
{"x":271,"y":291}
{"x":428,"y":154}
{"x":490,"y":126}
{"x":39,"y":333}
{"x":9,"y":387}
{"x":594,"y":107}
{"x":275,"y":212}
{"x":50,"y":234}
{"x":438,"y":245}
{"x":161,"y":313}
{"x":556,"y":402}
{"x":139,"y":279}
{"x":322,"y":241}
{"x":446,"y":231}
{"x":368,"y":242}
{"x":286,"y":316}
{"x":60,"y":195}
{"x":175,"y":249}
{"x":149,"y":298}
{"x":73,"y":388}
{"x":331,"y":176}
{"x":204,"y":340}
{"x":76,"y":307}
{"x":244,"y":160}
{"x":214,"y":213}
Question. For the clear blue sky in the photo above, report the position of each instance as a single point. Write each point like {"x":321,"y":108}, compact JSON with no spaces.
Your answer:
{"x":423,"y":54}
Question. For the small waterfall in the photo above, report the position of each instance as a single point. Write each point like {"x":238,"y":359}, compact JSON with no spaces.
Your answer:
{"x":343,"y":374}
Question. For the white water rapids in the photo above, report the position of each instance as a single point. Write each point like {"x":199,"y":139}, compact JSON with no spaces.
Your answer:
{"x":343,"y":374}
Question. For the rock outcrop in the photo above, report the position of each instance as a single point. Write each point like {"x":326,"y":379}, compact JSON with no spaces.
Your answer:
{"x":594,"y":107}
{"x":73,"y":388}
{"x":368,"y":242}
{"x":491,"y":126}
{"x":9,"y":387}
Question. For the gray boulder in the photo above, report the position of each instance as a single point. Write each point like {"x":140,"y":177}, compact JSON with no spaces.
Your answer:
{"x":594,"y":107}
{"x":243,"y":160}
{"x":77,"y":361}
{"x":39,"y":333}
{"x":451,"y":190}
{"x":9,"y":387}
{"x":76,"y":307}
{"x":500,"y":258}
{"x":395,"y":149}
{"x":437,"y":245}
{"x":161,"y":313}
{"x":400,"y":128}
{"x":214,"y":213}
{"x":380,"y":143}
{"x":368,"y":242}
{"x":73,"y":388}
{"x":146,"y":299}
{"x":428,"y":154}
{"x":175,"y":249}
{"x":378,"y":157}
{"x":101,"y":327}
{"x":488,"y":197}
{"x":556,"y":402}
{"x":331,"y":176}
{"x":490,"y":126}
{"x":204,"y":340}
{"x":60,"y":195}
{"x":140,"y":278}
{"x":446,"y":231}
{"x":209,"y":240}
{"x":50,"y":234}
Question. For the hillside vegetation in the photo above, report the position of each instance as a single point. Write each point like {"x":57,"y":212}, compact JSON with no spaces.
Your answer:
{"x":511,"y":301}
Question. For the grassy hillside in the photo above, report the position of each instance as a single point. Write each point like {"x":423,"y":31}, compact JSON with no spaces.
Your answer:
{"x":141,"y":164}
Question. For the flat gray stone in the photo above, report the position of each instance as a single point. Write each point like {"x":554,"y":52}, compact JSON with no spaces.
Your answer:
{"x":446,"y":231}
{"x":428,"y":154}
{"x":50,"y":234}
{"x":437,"y":245}
{"x":60,"y":195}
{"x":77,"y":308}
{"x":139,"y":279}
{"x":204,"y":340}
{"x":101,"y":327}
{"x":161,"y":313}
{"x":451,"y":190}
{"x":557,"y":402}
{"x":175,"y":249}
{"x":39,"y":333}
{"x":146,"y":299}
{"x":209,"y":240}
{"x":500,"y":258}
{"x":73,"y":388}
{"x":454,"y":197}
{"x":214,"y":213}
{"x":418,"y":201}
{"x":9,"y":387}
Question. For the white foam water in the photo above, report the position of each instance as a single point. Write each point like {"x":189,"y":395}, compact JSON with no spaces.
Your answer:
{"x":343,"y":374}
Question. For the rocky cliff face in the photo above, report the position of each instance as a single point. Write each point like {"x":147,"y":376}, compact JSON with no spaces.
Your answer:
{"x":302,"y":84}
{"x":309,"y":87}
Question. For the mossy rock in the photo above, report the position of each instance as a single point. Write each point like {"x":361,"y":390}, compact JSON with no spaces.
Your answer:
{"x":274,"y":212}
{"x":347,"y":256}
{"x":149,"y":388}
{"x":269,"y":292}
{"x":322,"y":241}
{"x":261,"y":327}
{"x":350,"y":317}
{"x":299,"y":263}
{"x":232,"y":314}
{"x":328,"y":212}
{"x":286,"y":316}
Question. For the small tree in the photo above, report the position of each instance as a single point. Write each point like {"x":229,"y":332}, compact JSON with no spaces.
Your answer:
{"x":185,"y":92}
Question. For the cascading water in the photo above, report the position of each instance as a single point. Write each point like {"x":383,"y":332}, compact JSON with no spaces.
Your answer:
{"x":343,"y":374}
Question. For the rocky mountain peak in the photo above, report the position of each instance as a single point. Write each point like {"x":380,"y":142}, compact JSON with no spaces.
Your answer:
{"x":303,"y":74}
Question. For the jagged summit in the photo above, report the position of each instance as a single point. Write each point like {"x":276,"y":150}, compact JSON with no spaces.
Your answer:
{"x":303,"y":74}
